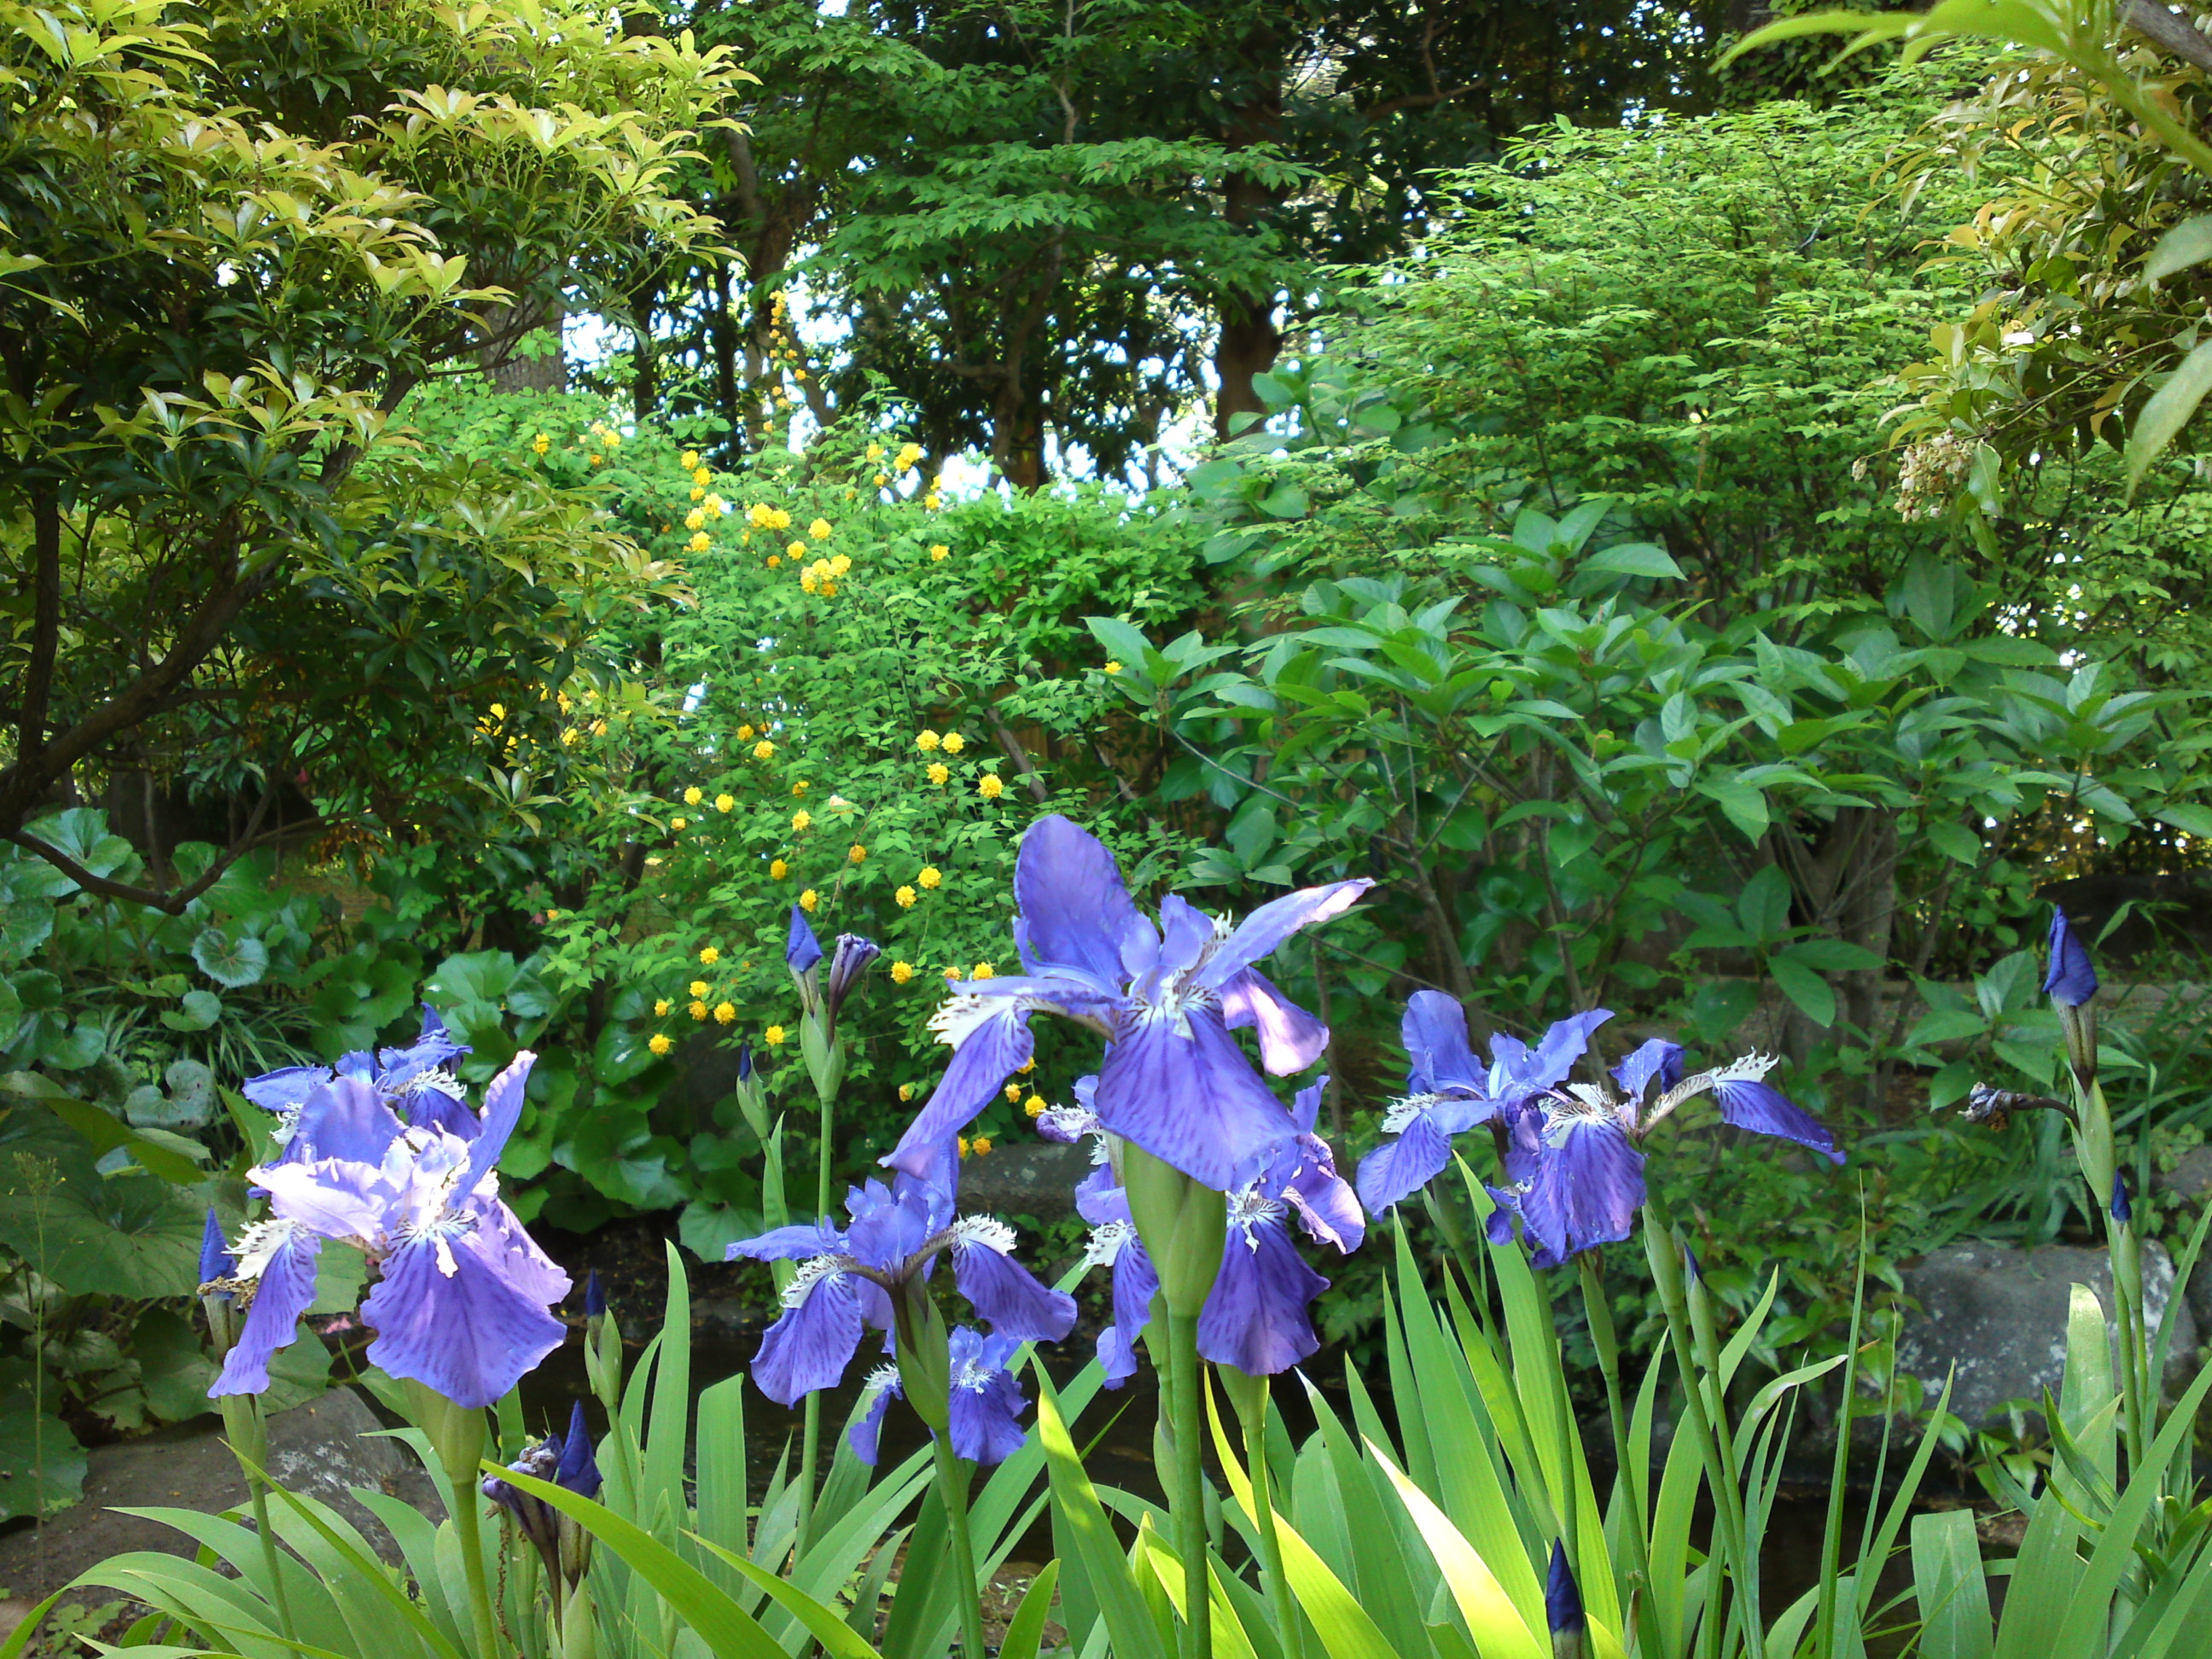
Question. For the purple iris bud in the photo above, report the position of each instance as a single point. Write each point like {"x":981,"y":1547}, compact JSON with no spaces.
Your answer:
{"x":865,"y":1434}
{"x":745,"y":1061}
{"x":216,"y":1261}
{"x":464,"y":1297}
{"x":1562,"y":1602}
{"x":849,"y":957}
{"x":2122,"y":1211}
{"x":801,"y":950}
{"x":579,"y":1469}
{"x":1450,"y":1092}
{"x":595,"y":1296}
{"x":1693,"y":1269}
{"x":1166,"y":998}
{"x":567,"y":1461}
{"x":847,"y":1279}
{"x":2071,"y":979}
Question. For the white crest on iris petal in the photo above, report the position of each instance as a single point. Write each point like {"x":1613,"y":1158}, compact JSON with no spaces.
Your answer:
{"x":259,"y":1246}
{"x":441,"y":1229}
{"x":974,"y":1376}
{"x":987,"y":1231}
{"x":1747,"y":1068}
{"x":436,"y":1077}
{"x":883,"y":1377}
{"x":1403,"y":1111}
{"x":1068,"y":1122}
{"x":811,"y":1273}
{"x":958,"y":1017}
{"x":1108,"y":1240}
{"x":286,"y":1126}
{"x":1252,"y":1209}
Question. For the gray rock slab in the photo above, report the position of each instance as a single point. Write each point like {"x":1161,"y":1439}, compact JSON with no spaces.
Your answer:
{"x":1996,"y":1319}
{"x":320,"y":1449}
{"x":1033,"y":1177}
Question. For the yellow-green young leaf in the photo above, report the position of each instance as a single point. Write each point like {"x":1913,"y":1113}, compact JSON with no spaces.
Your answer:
{"x":2168,"y":412}
{"x":1498,"y":1629}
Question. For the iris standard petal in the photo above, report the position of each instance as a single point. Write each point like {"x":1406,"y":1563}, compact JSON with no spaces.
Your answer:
{"x":1762,"y":1109}
{"x":1256,"y":1317}
{"x":794,"y":1244}
{"x":1134,"y":1282}
{"x":1190,"y":1097}
{"x":990,"y":1049}
{"x":1587,"y":1187}
{"x":1327,"y":1207}
{"x":1564,"y":1043}
{"x":1397,"y":1169}
{"x":215,"y":1259}
{"x":1291,"y":1039}
{"x":1655,"y":1067}
{"x":348,"y":1119}
{"x":337,"y":1199}
{"x":1262,"y":932}
{"x":1076,"y":911}
{"x":502,"y":1110}
{"x":432,"y":1048}
{"x":284,"y":1291}
{"x":447,"y":1316}
{"x":2071,"y":977}
{"x":809,"y":1347}
{"x":1011,"y":1299}
{"x":1439,"y":1057}
{"x":285,"y":1091}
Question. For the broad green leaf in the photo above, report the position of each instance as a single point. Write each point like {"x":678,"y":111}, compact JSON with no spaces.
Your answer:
{"x":2188,"y":243}
{"x":1806,"y":988}
{"x":2169,"y":410}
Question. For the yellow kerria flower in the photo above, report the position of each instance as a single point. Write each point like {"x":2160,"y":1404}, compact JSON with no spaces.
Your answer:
{"x":702,"y":477}
{"x":906,"y":1093}
{"x":929,"y":877}
{"x":726,"y":1013}
{"x":840,"y":565}
{"x":1113,"y":667}
{"x":902,"y":972}
{"x":954,"y":743}
{"x":796,"y":550}
{"x":661,"y":1007}
{"x":882,"y":479}
{"x":571,"y":737}
{"x":687,"y":459}
{"x":696,"y":492}
{"x":693,"y":795}
{"x":808,"y":899}
{"x":905,"y":895}
{"x":829,"y":590}
{"x":989,"y":786}
{"x":714,"y":505}
{"x":1013,"y":1093}
{"x":808,"y":584}
{"x":695,"y":519}
{"x":777,"y":870}
{"x":744,"y":734}
{"x":612,"y":439}
{"x":679,"y":823}
{"x":763,"y":750}
{"x":1034,"y":1106}
{"x":596,"y":459}
{"x":981,"y":1145}
{"x":819,"y":530}
{"x":697,"y":1010}
{"x":940,"y":550}
{"x":984,"y":970}
{"x":908,"y":456}
{"x":875,"y":451}
{"x":757,"y":515}
{"x":924,"y":741}
{"x":659,"y":1042}
{"x":857,"y":853}
{"x":1027,"y":1065}
{"x":775,"y":561}
{"x":724,"y":803}
{"x":541,"y":443}
{"x":963,"y":1146}
{"x":932,"y":501}
{"x":699,"y":543}
{"x":800,"y":819}
{"x":938,"y":771}
{"x":798,"y":788}
{"x":709,"y":956}
{"x":698,"y":988}
{"x":773,"y":1037}
{"x":779,"y":519}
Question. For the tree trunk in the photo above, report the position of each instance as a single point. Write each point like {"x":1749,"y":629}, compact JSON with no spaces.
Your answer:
{"x":509,"y":370}
{"x":1249,"y":341}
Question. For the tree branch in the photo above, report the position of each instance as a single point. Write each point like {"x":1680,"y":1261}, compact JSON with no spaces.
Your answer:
{"x":173,"y":904}
{"x":2177,"y":34}
{"x":1024,"y":766}
{"x":45,"y":623}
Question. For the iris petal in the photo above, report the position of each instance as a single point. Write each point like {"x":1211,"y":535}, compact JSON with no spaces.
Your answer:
{"x":1763,"y":1109}
{"x":2071,"y":978}
{"x":348,"y":1119}
{"x":1257,"y":1317}
{"x":1400,"y":1168}
{"x":1135,"y":1282}
{"x":810,"y":1346}
{"x":1076,"y":911}
{"x":1586,"y":1189}
{"x":1656,"y":1058}
{"x":1262,"y":932}
{"x":866,"y":1433}
{"x":1191,"y":1098}
{"x":1438,"y":1053}
{"x":502,"y":1110}
{"x":993,"y":1050}
{"x":285,"y":1091}
{"x":286,"y":1290}
{"x":1010,"y":1298}
{"x":470,"y":1334}
{"x":1291,"y":1039}
{"x":794,"y":1244}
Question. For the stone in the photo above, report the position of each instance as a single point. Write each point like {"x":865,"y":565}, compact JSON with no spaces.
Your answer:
{"x":1035,"y":1178}
{"x":1996,"y":1319}
{"x":2190,"y":1178}
{"x":320,"y":1449}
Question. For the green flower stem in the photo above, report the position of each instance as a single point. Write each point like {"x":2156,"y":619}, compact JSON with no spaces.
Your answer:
{"x":953,"y":1473}
{"x":247,"y":1426}
{"x":1187,"y":1490}
{"x":1664,"y":1251}
{"x":457,"y":1434}
{"x":1606,"y":1341}
{"x":468,"y":1529}
{"x":810,"y":1438}
{"x":1250,"y":1395}
{"x":257,"y":1490}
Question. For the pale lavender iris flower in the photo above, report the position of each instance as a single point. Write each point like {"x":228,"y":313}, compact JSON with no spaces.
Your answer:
{"x":846,"y":1279}
{"x":1166,"y":999}
{"x":1449,"y":1091}
{"x":462,"y":1301}
{"x":985,"y":1404}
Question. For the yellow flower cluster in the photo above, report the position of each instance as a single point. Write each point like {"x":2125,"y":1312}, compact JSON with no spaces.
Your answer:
{"x":693,"y":795}
{"x":925,"y":741}
{"x":905,"y":898}
{"x":939,"y":551}
{"x":1013,"y":1093}
{"x":801,"y":819}
{"x":938,"y":771}
{"x":540,"y":444}
{"x":724,"y":803}
{"x":726,"y":1013}
{"x":906,"y":1093}
{"x":984,"y":970}
{"x":679,"y":823}
{"x":689,"y":460}
{"x":1034,"y":1106}
{"x":857,"y":853}
{"x":773,"y":1037}
{"x":908,"y":455}
{"x":819,"y":530}
{"x":659,"y":1042}
{"x":701,"y":476}
{"x":698,"y":988}
{"x":762,"y":516}
{"x":709,"y":956}
{"x":660,"y":1009}
{"x":699,"y":543}
{"x":762,"y":751}
{"x":954,"y":743}
{"x":1113,"y":667}
{"x":902,"y":972}
{"x":930,"y":877}
{"x":989,"y":786}
{"x":777,"y":870}
{"x":808,"y":899}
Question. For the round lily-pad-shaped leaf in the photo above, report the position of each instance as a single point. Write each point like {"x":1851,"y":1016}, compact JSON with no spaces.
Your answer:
{"x":233,"y":963}
{"x":129,"y":1235}
{"x":41,"y":1465}
{"x":197,"y":1011}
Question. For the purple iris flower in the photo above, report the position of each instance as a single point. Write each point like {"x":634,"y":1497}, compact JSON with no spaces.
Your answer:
{"x":565,"y":1461}
{"x":2071,"y":978}
{"x":1256,"y":1317}
{"x":847,"y":1279}
{"x":1449,"y":1091}
{"x":801,"y":950}
{"x":985,"y":1407}
{"x":416,"y":1081}
{"x":462,"y":1305}
{"x":1563,"y":1599}
{"x":1166,"y":999}
{"x":1573,"y":1159}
